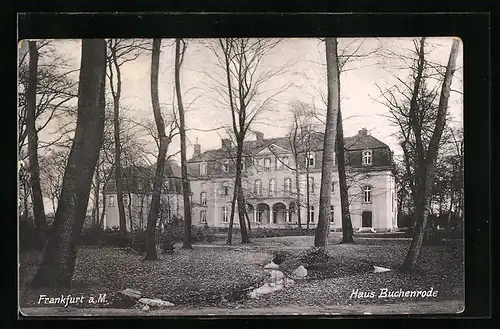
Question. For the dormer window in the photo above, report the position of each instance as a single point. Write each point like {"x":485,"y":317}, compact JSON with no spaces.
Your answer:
{"x":203,"y":169}
{"x":225,"y":167}
{"x":367,"y":158}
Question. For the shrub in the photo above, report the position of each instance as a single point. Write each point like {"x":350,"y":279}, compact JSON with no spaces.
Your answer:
{"x":167,"y":243}
{"x":138,"y":241}
{"x":315,"y":257}
{"x":93,"y":235}
{"x":279,"y":256}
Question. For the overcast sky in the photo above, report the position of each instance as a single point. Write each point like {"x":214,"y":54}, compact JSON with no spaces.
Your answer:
{"x":304,"y":76}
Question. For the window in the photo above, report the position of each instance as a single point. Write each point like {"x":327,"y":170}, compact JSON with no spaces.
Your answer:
{"x":225,"y":189}
{"x":367,"y":194}
{"x":311,"y":185}
{"x":243,"y":166}
{"x":288,"y":184}
{"x":203,"y":216}
{"x":225,"y":167}
{"x":225,"y":213}
{"x":267,"y":164}
{"x":272,"y":187}
{"x":310,"y":160}
{"x":392,"y":201}
{"x":203,"y":198}
{"x":203,"y":169}
{"x":258,"y":218}
{"x":279,"y":163}
{"x":258,"y":187}
{"x":288,"y":217}
{"x":311,"y":214}
{"x":111,"y":201}
{"x":333,"y":186}
{"x":332,"y":217}
{"x":367,"y":158}
{"x":125,"y":200}
{"x":285,"y":162}
{"x":112,"y":185}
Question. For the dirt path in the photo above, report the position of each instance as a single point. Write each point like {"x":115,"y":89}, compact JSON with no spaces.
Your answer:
{"x":441,"y":307}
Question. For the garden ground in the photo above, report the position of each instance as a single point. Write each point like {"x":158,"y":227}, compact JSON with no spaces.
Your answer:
{"x":208,"y":278}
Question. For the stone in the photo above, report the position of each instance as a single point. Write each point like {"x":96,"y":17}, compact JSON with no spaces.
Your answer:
{"x":299,"y":273}
{"x":136,"y":294}
{"x":272,"y":266}
{"x":155,"y":302}
{"x":379,"y":269}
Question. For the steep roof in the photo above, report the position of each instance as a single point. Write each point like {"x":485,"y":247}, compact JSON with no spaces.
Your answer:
{"x":358,"y":142}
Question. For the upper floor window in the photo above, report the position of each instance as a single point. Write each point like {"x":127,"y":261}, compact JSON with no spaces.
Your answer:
{"x":367,"y":194}
{"x":272,"y":187}
{"x":111,"y":185}
{"x":279,"y":163}
{"x":310,"y":160}
{"x":225,"y":167}
{"x":267,"y":164}
{"x":258,"y":187}
{"x":332,"y":217}
{"x":288,"y":184}
{"x":126,"y":200}
{"x":203,"y":216}
{"x":203,"y":198}
{"x":225,"y":213}
{"x":203,"y":169}
{"x":285,"y":162}
{"x":111,"y":201}
{"x":311,"y":185}
{"x":333,"y":186}
{"x":243,"y":167}
{"x":225,"y":189}
{"x":367,"y":158}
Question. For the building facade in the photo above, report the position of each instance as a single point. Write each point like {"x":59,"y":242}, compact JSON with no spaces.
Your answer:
{"x":273,"y":167}
{"x":137,"y":185}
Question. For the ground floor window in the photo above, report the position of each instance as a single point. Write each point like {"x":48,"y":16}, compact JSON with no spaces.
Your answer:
{"x":258,"y":219}
{"x":332,"y":217}
{"x":203,"y":216}
{"x":311,"y":214}
{"x":225,"y":213}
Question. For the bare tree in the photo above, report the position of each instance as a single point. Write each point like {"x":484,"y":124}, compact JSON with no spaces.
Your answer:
{"x":421,"y":125}
{"x":323,"y":227}
{"x":38,"y":208}
{"x":121,"y":51}
{"x":240,"y":58}
{"x":163,"y":143}
{"x":180,"y":50}
{"x":59,"y":257}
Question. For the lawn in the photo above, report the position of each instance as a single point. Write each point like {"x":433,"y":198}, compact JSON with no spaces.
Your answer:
{"x":203,"y":276}
{"x":186,"y":277}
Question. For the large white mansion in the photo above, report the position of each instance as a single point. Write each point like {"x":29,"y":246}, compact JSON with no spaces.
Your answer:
{"x":269,"y":184}
{"x":269,"y":178}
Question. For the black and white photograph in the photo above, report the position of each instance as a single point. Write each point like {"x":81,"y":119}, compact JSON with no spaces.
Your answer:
{"x":240,"y":176}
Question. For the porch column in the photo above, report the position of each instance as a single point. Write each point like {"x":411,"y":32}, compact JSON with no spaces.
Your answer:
{"x":271,"y":215}
{"x":254,"y":214}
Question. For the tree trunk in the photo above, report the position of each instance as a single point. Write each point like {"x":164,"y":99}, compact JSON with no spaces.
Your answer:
{"x":129,"y":206}
{"x":239,"y":189}
{"x":38,"y":207}
{"x":229,"y":240}
{"x":186,"y":190}
{"x":59,"y":257}
{"x":101,"y":220}
{"x":427,"y":163}
{"x":96,"y":196}
{"x":323,"y":228}
{"x":308,"y":198}
{"x":141,"y":213}
{"x":162,"y":153}
{"x":347,"y":231}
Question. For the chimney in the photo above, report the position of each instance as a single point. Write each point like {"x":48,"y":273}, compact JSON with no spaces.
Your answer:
{"x":259,"y":135}
{"x":197,"y":148}
{"x":363,"y":132}
{"x":226,"y":143}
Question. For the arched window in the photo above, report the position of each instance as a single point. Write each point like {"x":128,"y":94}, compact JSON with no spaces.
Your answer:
{"x":272,"y":186}
{"x":267,"y":164}
{"x":367,"y":158}
{"x":258,"y":187}
{"x":367,"y":194}
{"x":288,"y":184}
{"x":203,"y":198}
{"x":311,"y":184}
